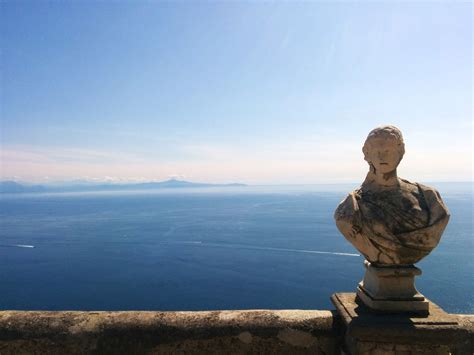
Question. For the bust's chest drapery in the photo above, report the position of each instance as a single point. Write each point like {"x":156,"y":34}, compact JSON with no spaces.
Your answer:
{"x":400,"y":210}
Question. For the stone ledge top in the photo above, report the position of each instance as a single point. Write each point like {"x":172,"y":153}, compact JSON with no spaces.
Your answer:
{"x":353,"y":310}
{"x":211,"y":332}
{"x":437,"y":327}
{"x":36,"y":323}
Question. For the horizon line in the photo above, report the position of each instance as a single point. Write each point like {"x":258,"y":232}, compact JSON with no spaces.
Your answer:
{"x":131,"y":182}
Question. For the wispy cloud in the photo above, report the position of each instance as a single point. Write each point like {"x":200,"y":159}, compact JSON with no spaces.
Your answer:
{"x":34,"y":154}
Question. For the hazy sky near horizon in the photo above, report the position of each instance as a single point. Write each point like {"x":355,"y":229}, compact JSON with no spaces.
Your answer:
{"x":253,"y":92}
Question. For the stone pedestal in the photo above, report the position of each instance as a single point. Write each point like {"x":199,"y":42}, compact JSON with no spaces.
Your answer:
{"x":369,"y":332}
{"x":392,"y":289}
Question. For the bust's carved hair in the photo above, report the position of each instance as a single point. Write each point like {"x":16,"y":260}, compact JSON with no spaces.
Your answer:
{"x":387,"y":132}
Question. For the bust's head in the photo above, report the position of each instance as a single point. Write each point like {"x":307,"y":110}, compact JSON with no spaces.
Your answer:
{"x":384,"y":148}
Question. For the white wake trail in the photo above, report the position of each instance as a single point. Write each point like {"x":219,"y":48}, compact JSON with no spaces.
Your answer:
{"x":17,"y":246}
{"x":240,"y":246}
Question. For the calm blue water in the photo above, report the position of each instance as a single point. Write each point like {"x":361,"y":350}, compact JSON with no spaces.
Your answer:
{"x":233,"y":248}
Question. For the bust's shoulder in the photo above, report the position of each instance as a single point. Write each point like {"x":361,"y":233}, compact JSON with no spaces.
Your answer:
{"x":348,"y":206}
{"x":432,"y":198}
{"x":410,"y":186}
{"x":427,"y":191}
{"x":417,"y":187}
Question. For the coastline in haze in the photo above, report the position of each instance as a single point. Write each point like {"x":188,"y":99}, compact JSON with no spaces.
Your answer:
{"x":16,"y":187}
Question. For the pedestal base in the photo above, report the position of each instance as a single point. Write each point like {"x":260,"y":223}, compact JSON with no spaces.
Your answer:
{"x":370,"y":332}
{"x":391,"y":289}
{"x":394,"y":306}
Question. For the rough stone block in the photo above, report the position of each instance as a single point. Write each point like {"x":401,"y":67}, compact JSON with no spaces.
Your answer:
{"x":370,"y":332}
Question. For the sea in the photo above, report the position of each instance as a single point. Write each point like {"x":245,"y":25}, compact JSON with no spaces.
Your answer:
{"x":249,"y":247}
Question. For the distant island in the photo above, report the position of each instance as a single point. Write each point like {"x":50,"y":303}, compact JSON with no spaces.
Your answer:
{"x":15,"y":187}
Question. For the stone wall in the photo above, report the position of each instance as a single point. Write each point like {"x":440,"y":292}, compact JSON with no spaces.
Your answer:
{"x":212,"y":332}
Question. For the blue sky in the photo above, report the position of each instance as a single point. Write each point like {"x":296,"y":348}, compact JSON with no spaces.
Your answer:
{"x":255,"y":92}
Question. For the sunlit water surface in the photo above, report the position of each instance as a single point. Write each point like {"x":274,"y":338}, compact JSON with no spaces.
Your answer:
{"x":197,"y":249}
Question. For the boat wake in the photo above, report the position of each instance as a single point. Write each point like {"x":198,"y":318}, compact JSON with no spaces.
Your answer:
{"x":251,"y":247}
{"x":16,"y":246}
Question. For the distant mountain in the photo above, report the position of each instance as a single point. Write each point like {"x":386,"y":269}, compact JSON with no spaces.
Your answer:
{"x":14,"y":187}
{"x":173,"y":183}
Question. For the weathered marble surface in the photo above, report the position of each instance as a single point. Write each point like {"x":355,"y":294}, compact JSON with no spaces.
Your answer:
{"x":392,"y":290}
{"x":391,"y":221}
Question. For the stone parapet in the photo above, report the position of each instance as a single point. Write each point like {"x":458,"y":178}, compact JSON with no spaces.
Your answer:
{"x":235,"y":332}
{"x":210,"y":332}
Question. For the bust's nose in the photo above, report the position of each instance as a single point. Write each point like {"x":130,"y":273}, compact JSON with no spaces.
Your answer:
{"x":381,"y":154}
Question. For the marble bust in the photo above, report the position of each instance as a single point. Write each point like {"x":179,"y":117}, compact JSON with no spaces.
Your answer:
{"x":391,"y":221}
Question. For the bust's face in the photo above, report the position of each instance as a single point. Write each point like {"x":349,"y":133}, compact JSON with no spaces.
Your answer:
{"x":384,"y":154}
